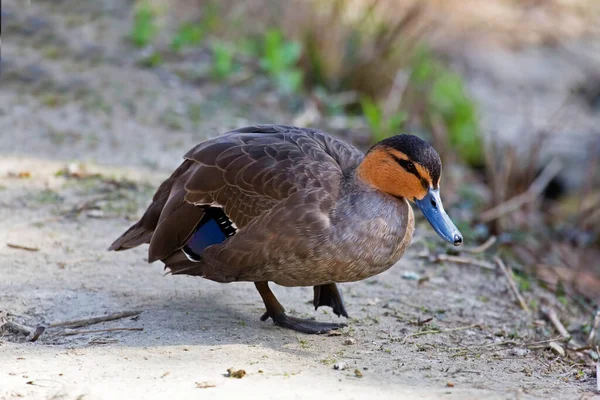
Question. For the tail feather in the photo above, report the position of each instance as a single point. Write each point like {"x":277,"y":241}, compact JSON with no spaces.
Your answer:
{"x":141,"y":232}
{"x":133,"y":237}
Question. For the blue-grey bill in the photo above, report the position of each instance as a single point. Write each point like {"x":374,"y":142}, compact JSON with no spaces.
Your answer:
{"x":431,"y":206}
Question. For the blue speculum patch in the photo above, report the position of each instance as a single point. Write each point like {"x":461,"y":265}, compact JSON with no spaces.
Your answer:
{"x":214,"y":228}
{"x":208,"y":234}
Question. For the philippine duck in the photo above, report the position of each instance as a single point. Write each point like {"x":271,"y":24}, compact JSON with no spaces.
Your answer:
{"x":293,"y":206}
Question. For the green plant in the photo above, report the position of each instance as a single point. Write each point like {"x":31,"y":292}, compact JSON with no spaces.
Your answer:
{"x":144,"y":24}
{"x":223,"y":63}
{"x":191,"y":34}
{"x":446,"y":100}
{"x":380,"y":124}
{"x":187,"y":35}
{"x":279,"y":59}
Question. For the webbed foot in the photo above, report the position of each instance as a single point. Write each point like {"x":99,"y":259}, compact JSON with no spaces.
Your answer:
{"x":329,"y":295}
{"x":276,"y":312}
{"x":301,"y":325}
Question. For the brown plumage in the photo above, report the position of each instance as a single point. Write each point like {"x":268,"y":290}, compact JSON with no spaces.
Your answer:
{"x":293,"y":206}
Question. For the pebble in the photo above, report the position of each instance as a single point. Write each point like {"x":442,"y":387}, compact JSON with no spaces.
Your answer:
{"x":339,"y":366}
{"x":519,"y":352}
{"x":349,"y":342}
{"x":411,"y":276}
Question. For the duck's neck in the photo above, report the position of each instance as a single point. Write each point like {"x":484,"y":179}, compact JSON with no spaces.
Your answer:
{"x":376,"y":171}
{"x":359,"y":197}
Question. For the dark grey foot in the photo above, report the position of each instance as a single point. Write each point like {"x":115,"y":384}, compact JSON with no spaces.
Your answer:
{"x":329,"y":295}
{"x":301,"y":325}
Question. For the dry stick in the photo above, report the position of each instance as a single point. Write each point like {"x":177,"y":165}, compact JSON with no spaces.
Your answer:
{"x":16,"y":328}
{"x":439,"y":331}
{"x":490,"y":346}
{"x":482,"y":247}
{"x":598,"y":371}
{"x":78,"y":323}
{"x":465,"y":260}
{"x":595,"y":327}
{"x":71,"y":333}
{"x":553,"y":318}
{"x":511,"y":284}
{"x":534,"y":191}
{"x":21,"y":247}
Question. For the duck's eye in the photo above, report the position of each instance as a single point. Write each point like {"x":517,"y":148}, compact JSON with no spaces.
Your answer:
{"x":410,"y":167}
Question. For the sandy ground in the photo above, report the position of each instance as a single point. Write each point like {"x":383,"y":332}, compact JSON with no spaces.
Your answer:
{"x":94,"y":106}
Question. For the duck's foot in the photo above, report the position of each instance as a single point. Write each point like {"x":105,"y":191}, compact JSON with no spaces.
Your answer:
{"x":329,"y":295}
{"x":301,"y":325}
{"x":276,"y":312}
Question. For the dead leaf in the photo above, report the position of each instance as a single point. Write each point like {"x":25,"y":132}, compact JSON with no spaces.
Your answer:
{"x":233,"y":373}
{"x":205,"y":385}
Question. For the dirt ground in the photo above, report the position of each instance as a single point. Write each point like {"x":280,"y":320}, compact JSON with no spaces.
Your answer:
{"x":85,"y":137}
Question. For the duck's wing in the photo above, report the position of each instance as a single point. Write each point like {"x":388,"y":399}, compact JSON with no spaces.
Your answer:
{"x":248,"y":173}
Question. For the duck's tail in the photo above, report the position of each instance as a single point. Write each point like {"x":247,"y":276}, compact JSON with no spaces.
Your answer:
{"x":141,"y":232}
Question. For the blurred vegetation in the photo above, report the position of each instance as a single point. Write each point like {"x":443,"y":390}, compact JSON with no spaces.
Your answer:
{"x":144,"y":28}
{"x":380,"y":124}
{"x":360,"y":53}
{"x":279,"y":59}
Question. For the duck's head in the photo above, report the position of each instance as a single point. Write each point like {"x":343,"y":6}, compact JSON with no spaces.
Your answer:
{"x":407,"y":166}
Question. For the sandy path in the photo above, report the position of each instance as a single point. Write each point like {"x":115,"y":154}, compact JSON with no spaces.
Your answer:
{"x":125,"y":122}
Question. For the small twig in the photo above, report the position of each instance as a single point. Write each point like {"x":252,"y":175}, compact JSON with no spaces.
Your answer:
{"x":598,"y":370}
{"x":38,"y":332}
{"x":553,"y":318}
{"x":16,"y":328}
{"x":21,"y":247}
{"x":595,"y":327}
{"x":464,"y":260}
{"x":482,"y":247}
{"x":534,"y":191}
{"x":434,"y":331}
{"x":511,"y":284}
{"x":71,"y":333}
{"x":78,"y":323}
{"x":467,"y":371}
{"x":489,"y":346}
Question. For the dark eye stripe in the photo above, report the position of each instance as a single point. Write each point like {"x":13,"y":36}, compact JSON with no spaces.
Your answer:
{"x":410,"y":167}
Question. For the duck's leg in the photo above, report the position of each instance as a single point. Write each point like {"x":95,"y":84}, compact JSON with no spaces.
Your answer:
{"x":276,"y":312}
{"x":329,"y":295}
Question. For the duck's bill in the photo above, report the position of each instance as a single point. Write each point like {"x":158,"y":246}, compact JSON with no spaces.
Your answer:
{"x":431,"y":206}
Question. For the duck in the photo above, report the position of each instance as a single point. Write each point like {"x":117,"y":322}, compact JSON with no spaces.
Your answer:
{"x":292,"y":206}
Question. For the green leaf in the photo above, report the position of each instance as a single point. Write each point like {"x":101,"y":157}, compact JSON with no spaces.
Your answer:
{"x":144,"y":25}
{"x":187,"y":35}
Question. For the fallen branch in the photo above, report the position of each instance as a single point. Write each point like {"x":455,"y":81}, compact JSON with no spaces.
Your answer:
{"x":22,"y":247}
{"x":78,"y":323}
{"x":464,"y":260}
{"x":71,"y":333}
{"x":482,"y":247}
{"x":16,"y":328}
{"x":532,"y":193}
{"x":512,"y":284}
{"x":434,"y":331}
